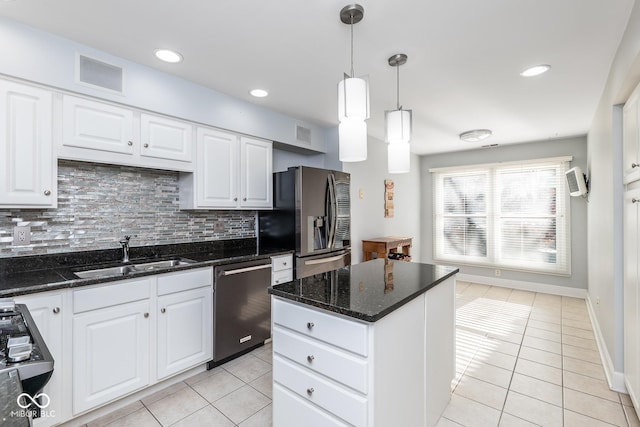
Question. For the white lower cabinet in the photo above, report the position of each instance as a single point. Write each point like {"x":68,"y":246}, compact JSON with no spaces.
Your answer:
{"x":331,"y":370}
{"x":631,"y":295}
{"x":47,"y":311}
{"x":113,"y":328}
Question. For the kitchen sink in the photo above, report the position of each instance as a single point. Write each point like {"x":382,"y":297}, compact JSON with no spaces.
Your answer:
{"x":125,"y":270}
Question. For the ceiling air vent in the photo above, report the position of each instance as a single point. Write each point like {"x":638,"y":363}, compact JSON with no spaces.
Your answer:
{"x":303,"y":134}
{"x":100,"y":74}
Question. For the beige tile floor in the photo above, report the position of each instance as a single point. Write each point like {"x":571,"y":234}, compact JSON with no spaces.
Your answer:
{"x":523,"y":359}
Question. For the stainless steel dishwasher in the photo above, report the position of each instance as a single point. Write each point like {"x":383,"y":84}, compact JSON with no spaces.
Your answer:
{"x":241,"y":308}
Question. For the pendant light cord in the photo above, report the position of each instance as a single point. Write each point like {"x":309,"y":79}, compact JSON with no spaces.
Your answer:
{"x":352,"y":72}
{"x":398,"y":86}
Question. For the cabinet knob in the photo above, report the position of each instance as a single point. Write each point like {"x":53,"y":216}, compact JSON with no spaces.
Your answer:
{"x":235,"y":199}
{"x":47,"y":192}
{"x":56,"y":310}
{"x":130,"y":143}
{"x":163,"y":310}
{"x":146,"y":315}
{"x":284,"y":263}
{"x":635,"y":165}
{"x":244,"y":200}
{"x":310,"y":325}
{"x":310,"y":358}
{"x":310,"y":391}
{"x":634,"y":200}
{"x":146,"y":145}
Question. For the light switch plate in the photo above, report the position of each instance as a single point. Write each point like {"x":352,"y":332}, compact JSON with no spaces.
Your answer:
{"x":21,"y":235}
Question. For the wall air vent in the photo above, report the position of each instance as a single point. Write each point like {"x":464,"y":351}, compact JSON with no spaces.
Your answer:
{"x":100,"y":74}
{"x":303,"y":134}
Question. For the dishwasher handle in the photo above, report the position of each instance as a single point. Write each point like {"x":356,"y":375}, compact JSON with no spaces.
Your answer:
{"x":245,"y":269}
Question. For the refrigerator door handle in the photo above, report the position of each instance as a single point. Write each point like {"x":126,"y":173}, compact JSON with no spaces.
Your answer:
{"x":323,"y":260}
{"x":333,"y":211}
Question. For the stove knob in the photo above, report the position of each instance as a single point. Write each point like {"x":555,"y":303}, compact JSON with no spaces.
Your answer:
{"x":56,"y":310}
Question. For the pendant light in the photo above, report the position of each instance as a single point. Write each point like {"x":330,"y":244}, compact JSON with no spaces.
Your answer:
{"x":398,"y":127}
{"x":353,"y":101}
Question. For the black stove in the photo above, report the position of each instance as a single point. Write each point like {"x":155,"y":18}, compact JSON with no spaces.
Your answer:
{"x":23,"y":349}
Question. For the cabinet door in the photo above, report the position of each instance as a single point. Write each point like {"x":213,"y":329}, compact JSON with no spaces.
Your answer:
{"x":631,"y":138}
{"x":28,"y":173}
{"x":631,"y":295}
{"x":165,"y":138}
{"x":110,"y":354}
{"x":185,"y":333}
{"x":47,"y":311}
{"x":97,"y":126}
{"x":255,"y":170}
{"x":217,"y":172}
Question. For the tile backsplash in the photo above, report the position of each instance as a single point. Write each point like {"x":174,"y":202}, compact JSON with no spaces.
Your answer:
{"x":98,"y":204}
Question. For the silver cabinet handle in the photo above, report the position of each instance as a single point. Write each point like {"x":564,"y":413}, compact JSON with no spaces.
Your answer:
{"x":146,"y":315}
{"x":47,"y":192}
{"x":310,"y":325}
{"x":130,"y":143}
{"x":635,"y":165}
{"x":163,"y":310}
{"x":310,"y":358}
{"x":310,"y":391}
{"x":634,"y":200}
{"x":146,"y":145}
{"x":56,"y":310}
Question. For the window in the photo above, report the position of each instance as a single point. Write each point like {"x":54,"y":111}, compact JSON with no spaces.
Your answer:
{"x":510,"y":215}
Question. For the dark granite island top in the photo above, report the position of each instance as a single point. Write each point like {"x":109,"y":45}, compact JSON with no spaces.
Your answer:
{"x":367,"y":291}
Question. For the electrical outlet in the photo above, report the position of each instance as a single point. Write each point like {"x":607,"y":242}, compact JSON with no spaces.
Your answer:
{"x":498,"y":272}
{"x":21,"y":235}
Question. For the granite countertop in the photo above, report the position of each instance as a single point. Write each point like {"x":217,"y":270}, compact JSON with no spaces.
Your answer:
{"x":367,"y":291}
{"x":31,"y":274}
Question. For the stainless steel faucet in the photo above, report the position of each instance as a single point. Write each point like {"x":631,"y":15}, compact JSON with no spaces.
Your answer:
{"x":125,"y":248}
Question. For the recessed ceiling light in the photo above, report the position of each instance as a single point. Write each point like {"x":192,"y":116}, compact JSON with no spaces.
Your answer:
{"x":258,"y":93}
{"x":475,"y":135}
{"x":167,"y":55}
{"x":536,"y":70}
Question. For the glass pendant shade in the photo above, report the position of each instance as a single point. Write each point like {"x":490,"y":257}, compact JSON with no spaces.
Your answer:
{"x":353,"y":98}
{"x":352,"y":134}
{"x":398,"y":157}
{"x":398,"y":123}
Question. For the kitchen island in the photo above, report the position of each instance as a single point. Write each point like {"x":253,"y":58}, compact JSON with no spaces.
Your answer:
{"x":372,"y":344}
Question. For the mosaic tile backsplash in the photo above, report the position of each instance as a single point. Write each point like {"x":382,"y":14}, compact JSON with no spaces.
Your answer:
{"x":98,"y":204}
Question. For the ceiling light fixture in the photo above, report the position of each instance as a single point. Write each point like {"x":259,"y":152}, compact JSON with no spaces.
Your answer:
{"x":398,"y":127}
{"x":258,"y":93}
{"x":168,"y":55}
{"x":353,"y":101}
{"x":475,"y":135}
{"x":535,"y":70}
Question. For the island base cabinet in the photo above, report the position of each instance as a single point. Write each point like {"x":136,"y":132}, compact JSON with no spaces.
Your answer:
{"x":110,"y":354}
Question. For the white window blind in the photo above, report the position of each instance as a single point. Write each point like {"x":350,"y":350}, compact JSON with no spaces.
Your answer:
{"x":511,"y":215}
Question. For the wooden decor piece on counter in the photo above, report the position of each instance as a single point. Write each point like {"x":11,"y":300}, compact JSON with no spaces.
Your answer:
{"x":388,"y":198}
{"x":383,"y":246}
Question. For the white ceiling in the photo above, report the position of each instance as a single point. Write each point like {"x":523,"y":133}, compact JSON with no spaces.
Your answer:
{"x":464,"y":56}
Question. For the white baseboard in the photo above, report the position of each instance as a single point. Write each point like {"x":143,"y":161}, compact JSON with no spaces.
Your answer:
{"x":614,"y":378}
{"x":524,"y":286}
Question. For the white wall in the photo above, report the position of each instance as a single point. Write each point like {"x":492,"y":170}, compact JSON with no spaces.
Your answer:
{"x":576,"y":147}
{"x":605,"y":210}
{"x":367,"y":213}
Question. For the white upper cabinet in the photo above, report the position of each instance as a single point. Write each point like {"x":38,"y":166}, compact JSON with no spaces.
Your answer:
{"x":28,"y":177}
{"x":232,"y":172}
{"x":631,"y":138}
{"x":100,"y":132}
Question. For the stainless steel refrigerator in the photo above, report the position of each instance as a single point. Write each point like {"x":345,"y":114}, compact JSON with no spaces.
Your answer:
{"x":312,"y":216}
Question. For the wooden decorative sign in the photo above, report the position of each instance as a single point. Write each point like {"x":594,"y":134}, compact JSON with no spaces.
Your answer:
{"x":388,"y":198}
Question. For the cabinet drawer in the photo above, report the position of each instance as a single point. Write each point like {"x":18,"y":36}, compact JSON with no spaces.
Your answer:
{"x":289,"y":409}
{"x":282,"y":262}
{"x":282,"y":276}
{"x":334,"y":399}
{"x":347,"y":334}
{"x":108,"y":295}
{"x":179,"y":281}
{"x":340,"y":366}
